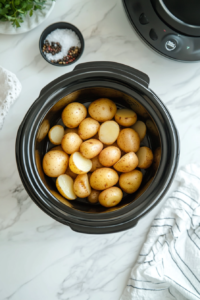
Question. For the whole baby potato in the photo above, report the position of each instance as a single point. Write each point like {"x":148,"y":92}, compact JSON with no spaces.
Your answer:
{"x":145,"y":157}
{"x":55,"y":163}
{"x":82,"y":187}
{"x":103,"y":178}
{"x":125,"y":117}
{"x":91,"y":148}
{"x":128,"y":140}
{"x":127,"y":163}
{"x":95,"y":163}
{"x":73,"y":114}
{"x":94,"y":196}
{"x":109,"y":156}
{"x":56,"y":148}
{"x":88,"y":128}
{"x":71,"y":142}
{"x":102,"y":109}
{"x":131,"y":181}
{"x":111,"y":196}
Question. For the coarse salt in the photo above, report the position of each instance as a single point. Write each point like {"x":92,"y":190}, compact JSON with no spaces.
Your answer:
{"x":67,"y":39}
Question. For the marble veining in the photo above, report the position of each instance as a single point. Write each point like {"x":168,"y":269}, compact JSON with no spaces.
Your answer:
{"x":40,"y":258}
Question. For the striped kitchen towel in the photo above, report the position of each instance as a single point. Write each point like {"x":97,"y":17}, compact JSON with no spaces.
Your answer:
{"x":168,"y":266}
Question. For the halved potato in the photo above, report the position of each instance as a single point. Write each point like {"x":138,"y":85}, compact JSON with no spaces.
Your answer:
{"x":88,"y":128}
{"x":131,"y":181}
{"x":140,"y":128}
{"x":127,"y":163}
{"x":110,"y":197}
{"x":128,"y":140}
{"x":82,"y":187}
{"x":69,"y":130}
{"x":109,"y":156}
{"x":65,"y":186}
{"x":55,"y":163}
{"x":43,"y":130}
{"x":73,"y":114}
{"x":102,"y":109}
{"x":94,"y":196}
{"x":79,"y":164}
{"x":103,"y":178}
{"x":125,"y":117}
{"x":56,"y":134}
{"x":95,"y":163}
{"x":108,"y":132}
{"x":145,"y":157}
{"x":91,"y":148}
{"x":71,"y":142}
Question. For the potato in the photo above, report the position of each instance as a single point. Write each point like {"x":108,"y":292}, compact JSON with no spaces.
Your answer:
{"x":61,"y":199}
{"x":91,"y":148}
{"x":79,"y":164}
{"x":102,"y":109}
{"x":95,"y":163}
{"x":125,"y":117}
{"x":43,"y":130}
{"x":56,"y":134}
{"x":128,"y":140}
{"x":111,"y":196}
{"x":55,"y":163}
{"x":103,"y":178}
{"x":152,"y":127}
{"x":71,"y":142}
{"x":94,"y":196}
{"x":156,"y":158}
{"x":140,"y":128}
{"x":73,"y":114}
{"x":108,"y":132}
{"x":69,"y":130}
{"x":131,"y":181}
{"x":145,"y":157}
{"x":88,"y":128}
{"x":109,"y":156}
{"x":56,"y":148}
{"x":65,"y":186}
{"x":127,"y":163}
{"x":70,"y":173}
{"x":82,"y":187}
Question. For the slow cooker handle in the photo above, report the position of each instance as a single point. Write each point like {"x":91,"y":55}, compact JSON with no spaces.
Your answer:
{"x":135,"y":74}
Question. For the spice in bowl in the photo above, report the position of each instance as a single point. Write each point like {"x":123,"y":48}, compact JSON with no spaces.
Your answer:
{"x":62,"y":46}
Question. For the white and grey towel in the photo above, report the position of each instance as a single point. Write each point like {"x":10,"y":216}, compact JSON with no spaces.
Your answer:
{"x":10,"y":88}
{"x":168,"y":266}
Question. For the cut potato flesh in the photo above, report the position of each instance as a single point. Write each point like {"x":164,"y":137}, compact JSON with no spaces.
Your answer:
{"x":145,"y":157}
{"x":65,"y":186}
{"x":56,"y":134}
{"x":140,"y":128}
{"x":108,"y":132}
{"x":79,"y":164}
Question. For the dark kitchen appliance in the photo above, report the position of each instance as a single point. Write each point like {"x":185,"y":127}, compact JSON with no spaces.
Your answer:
{"x":171,"y":27}
{"x":127,"y":87}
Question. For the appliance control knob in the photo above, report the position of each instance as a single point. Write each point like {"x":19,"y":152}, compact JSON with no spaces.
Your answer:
{"x":153,"y":35}
{"x":171,"y":44}
{"x":143,"y":19}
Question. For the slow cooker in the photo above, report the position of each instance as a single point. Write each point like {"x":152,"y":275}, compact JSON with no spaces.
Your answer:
{"x":128,"y":88}
{"x":171,"y":27}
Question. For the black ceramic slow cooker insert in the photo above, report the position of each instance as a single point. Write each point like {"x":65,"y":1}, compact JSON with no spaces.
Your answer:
{"x":127,"y":87}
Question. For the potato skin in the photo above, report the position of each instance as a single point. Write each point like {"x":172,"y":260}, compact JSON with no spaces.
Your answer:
{"x":109,"y":156}
{"x":102,"y":109}
{"x":127,"y":163}
{"x":131,"y":181}
{"x":70,"y":173}
{"x":128,"y":140}
{"x":95,"y":163}
{"x":55,"y":163}
{"x":73,"y":114}
{"x":94,"y":196}
{"x":145,"y":157}
{"x":56,"y":148}
{"x":103,"y":178}
{"x":91,"y":148}
{"x":82,"y":187}
{"x":71,"y":142}
{"x":125,"y":117}
{"x":110,"y":197}
{"x":68,"y":130}
{"x":88,"y":128}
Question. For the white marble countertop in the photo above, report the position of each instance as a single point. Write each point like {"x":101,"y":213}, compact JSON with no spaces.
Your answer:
{"x":39,"y":257}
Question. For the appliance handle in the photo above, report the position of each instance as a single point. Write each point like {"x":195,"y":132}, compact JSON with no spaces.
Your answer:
{"x":135,"y":74}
